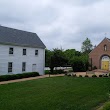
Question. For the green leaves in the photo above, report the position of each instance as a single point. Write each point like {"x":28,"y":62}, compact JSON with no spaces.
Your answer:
{"x":79,"y":63}
{"x":86,"y":46}
{"x":55,"y":58}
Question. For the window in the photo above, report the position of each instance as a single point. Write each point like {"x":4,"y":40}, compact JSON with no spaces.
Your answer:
{"x":11,"y":50}
{"x":23,"y":66}
{"x":105,"y":47}
{"x":10,"y":66}
{"x":24,"y":51}
{"x":36,"y":52}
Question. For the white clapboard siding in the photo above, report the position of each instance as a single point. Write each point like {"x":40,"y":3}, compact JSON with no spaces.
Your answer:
{"x":17,"y":58}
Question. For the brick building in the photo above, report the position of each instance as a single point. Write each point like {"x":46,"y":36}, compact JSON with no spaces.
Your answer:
{"x":100,"y":55}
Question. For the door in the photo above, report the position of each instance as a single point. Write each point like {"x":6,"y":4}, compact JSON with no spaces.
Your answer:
{"x":105,"y":65}
{"x":34,"y":68}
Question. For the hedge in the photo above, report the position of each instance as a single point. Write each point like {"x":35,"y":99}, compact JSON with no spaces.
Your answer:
{"x":18,"y":76}
{"x":55,"y":72}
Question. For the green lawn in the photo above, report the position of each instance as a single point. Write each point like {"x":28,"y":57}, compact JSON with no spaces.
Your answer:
{"x":58,"y":93}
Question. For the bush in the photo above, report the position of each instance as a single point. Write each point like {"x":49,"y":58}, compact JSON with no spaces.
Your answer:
{"x":94,"y":68}
{"x":94,"y":76}
{"x":80,"y":75}
{"x":79,"y":63}
{"x":106,"y":106}
{"x":74,"y":75}
{"x":70,"y":70}
{"x":58,"y":72}
{"x":18,"y":76}
{"x":105,"y":76}
{"x":100,"y":75}
{"x":86,"y":76}
{"x":68,"y":74}
{"x":55,"y":72}
{"x":47,"y":71}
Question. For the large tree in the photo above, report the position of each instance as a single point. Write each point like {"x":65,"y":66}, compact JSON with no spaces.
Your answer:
{"x":55,"y":58}
{"x":80,"y":63}
{"x":59,"y":57}
{"x":48,"y":55}
{"x":87,"y":46}
{"x":70,"y":53}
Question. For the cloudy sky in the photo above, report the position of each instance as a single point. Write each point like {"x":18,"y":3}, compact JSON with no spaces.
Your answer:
{"x":59,"y":23}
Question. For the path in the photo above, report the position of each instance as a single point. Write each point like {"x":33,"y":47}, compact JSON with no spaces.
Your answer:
{"x":31,"y":78}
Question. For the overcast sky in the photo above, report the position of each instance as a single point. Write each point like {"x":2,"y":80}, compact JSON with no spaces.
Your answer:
{"x":59,"y":23}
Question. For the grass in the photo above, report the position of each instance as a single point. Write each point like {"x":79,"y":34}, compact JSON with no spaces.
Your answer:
{"x":58,"y":93}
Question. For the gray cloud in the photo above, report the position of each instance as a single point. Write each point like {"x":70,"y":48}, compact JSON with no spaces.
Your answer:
{"x":59,"y":23}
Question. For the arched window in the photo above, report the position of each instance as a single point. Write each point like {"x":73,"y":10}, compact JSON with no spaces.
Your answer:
{"x":105,"y":47}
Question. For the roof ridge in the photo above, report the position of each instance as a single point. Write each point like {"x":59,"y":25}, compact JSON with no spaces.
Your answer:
{"x":19,"y":37}
{"x":99,"y":44}
{"x":108,"y":38}
{"x":16,"y":29}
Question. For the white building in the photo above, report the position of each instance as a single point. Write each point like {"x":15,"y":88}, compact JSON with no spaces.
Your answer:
{"x":20,"y":52}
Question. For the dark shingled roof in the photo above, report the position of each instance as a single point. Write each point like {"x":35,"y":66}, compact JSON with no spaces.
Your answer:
{"x":12,"y":36}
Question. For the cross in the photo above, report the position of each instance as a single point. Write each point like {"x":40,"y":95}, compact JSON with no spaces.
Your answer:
{"x":105,"y":34}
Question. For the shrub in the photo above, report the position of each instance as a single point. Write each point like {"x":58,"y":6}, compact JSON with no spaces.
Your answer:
{"x":105,"y":76}
{"x":18,"y":76}
{"x":94,"y":76}
{"x":80,"y":75}
{"x":79,"y":63}
{"x":47,"y":71}
{"x":58,"y":72}
{"x":86,"y":76}
{"x":74,"y":75}
{"x":100,"y":75}
{"x":71,"y":70}
{"x":94,"y":68}
{"x":106,"y":106}
{"x":68,"y":74}
{"x":55,"y":72}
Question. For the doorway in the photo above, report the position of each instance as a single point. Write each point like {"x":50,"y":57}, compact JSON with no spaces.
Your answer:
{"x":34,"y":68}
{"x":105,"y":63}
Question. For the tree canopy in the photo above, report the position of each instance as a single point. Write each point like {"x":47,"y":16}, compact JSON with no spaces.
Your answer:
{"x":70,"y":57}
{"x":87,"y":46}
{"x":55,"y":58}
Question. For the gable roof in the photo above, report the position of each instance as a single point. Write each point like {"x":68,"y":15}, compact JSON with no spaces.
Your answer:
{"x":10,"y":36}
{"x":99,"y":44}
{"x":108,"y":39}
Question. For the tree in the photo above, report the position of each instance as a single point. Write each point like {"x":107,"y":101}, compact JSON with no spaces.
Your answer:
{"x":59,"y":57}
{"x":86,"y":46}
{"x":80,"y":63}
{"x":49,"y":60}
{"x":48,"y":55}
{"x":70,"y":53}
{"x":55,"y":58}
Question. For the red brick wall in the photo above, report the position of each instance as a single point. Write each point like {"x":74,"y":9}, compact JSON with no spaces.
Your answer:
{"x":98,"y":52}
